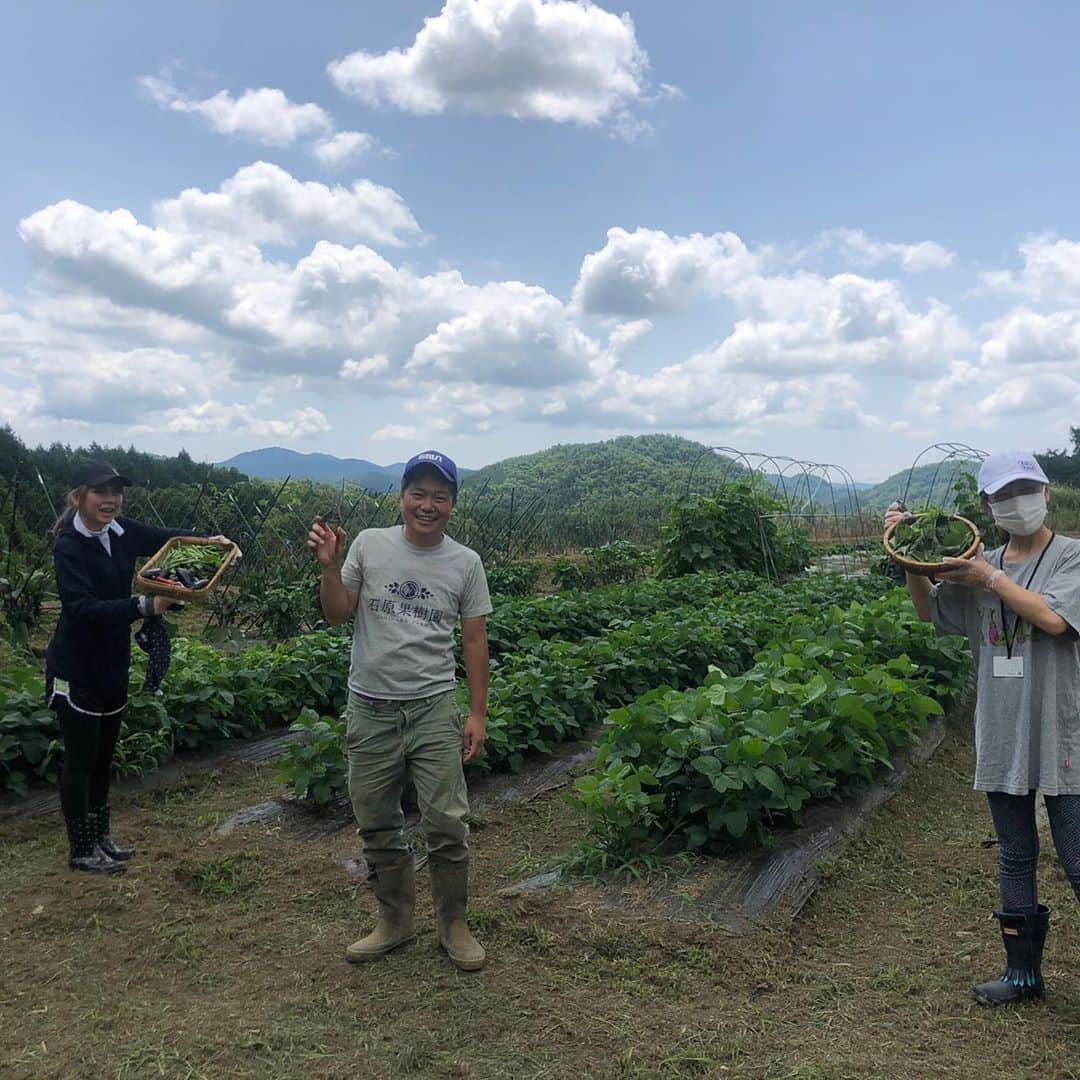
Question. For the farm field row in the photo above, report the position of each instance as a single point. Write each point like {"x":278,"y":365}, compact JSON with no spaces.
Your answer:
{"x":209,"y":696}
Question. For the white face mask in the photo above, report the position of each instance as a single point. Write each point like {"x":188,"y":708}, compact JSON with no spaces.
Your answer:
{"x":1021,"y":515}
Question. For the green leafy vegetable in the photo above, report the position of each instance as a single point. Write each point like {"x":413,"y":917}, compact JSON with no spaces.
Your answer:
{"x":931,"y":536}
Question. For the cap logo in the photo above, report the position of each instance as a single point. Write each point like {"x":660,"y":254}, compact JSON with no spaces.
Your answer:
{"x":429,"y":457}
{"x":1028,"y":465}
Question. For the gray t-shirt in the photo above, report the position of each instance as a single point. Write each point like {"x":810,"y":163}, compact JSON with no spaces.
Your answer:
{"x":410,"y":599}
{"x":1027,"y":730}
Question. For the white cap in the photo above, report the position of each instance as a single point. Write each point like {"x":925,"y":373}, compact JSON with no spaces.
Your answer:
{"x":1005,"y":466}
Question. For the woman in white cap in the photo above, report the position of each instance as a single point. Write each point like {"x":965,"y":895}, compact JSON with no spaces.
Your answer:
{"x":1019,"y":607}
{"x":89,"y":655}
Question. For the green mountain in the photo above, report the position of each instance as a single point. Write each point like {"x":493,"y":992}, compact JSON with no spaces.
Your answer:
{"x":926,"y":484}
{"x":275,"y":463}
{"x":630,"y":468}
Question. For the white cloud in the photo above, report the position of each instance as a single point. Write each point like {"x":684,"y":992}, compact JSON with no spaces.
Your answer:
{"x":698,"y":394}
{"x":625,"y":334}
{"x":648,"y":272}
{"x":629,"y":126}
{"x":346,"y":315}
{"x":265,"y":115}
{"x":213,"y":416}
{"x":466,"y":406}
{"x":395,"y":431}
{"x":334,"y":150}
{"x":364,"y":369}
{"x":785,"y":324}
{"x":19,"y":403}
{"x":808,"y":322}
{"x":561,"y":60}
{"x":1028,"y":395}
{"x":1025,"y":338}
{"x":350,"y":301}
{"x":335,"y":301}
{"x":863,"y":251}
{"x":1051,"y":271}
{"x":109,"y":387}
{"x":112,"y":254}
{"x":512,"y":335}
{"x":262,"y":203}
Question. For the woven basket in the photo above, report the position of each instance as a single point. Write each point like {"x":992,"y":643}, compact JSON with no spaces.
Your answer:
{"x":927,"y":569}
{"x":157,"y":587}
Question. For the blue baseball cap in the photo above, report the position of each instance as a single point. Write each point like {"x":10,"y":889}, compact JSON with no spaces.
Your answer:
{"x":436,"y":460}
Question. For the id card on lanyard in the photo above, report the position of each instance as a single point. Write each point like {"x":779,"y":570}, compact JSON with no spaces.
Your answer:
{"x":1009,"y":666}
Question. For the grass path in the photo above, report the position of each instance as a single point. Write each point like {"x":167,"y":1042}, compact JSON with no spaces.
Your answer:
{"x":222,"y":957}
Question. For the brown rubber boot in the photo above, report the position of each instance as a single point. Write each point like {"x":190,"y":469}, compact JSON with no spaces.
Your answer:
{"x":450,"y":890}
{"x":395,"y":890}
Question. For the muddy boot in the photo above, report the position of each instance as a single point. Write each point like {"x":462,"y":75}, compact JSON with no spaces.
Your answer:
{"x":394,"y":886}
{"x":105,"y":840}
{"x":450,"y":891}
{"x":84,"y":853}
{"x":1024,"y":936}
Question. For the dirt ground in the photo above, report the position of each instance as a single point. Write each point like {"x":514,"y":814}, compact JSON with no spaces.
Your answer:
{"x":222,"y":956}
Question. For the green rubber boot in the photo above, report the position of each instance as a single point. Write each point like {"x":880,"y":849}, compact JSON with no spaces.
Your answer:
{"x":395,"y":890}
{"x":450,"y":891}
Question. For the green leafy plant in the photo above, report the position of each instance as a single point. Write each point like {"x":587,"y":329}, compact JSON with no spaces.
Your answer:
{"x":21,"y":595}
{"x":515,"y":578}
{"x":966,"y":503}
{"x":315,"y":767}
{"x":29,"y":732}
{"x":735,"y":529}
{"x":614,"y":563}
{"x":824,"y":707}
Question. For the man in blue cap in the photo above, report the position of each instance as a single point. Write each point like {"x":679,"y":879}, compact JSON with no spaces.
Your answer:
{"x":407,"y":586}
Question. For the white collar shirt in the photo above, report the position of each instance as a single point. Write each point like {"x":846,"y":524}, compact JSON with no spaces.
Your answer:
{"x":81,"y":527}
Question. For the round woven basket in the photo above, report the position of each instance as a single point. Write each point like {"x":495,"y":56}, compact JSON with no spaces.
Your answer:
{"x":927,"y":569}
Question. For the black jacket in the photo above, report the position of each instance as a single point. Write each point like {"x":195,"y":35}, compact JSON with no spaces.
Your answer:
{"x":91,"y":646}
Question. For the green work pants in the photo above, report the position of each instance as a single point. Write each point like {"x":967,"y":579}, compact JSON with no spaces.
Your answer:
{"x":389,"y":741}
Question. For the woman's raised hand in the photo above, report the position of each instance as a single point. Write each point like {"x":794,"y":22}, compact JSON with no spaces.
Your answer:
{"x":219,"y":539}
{"x":896,"y":511}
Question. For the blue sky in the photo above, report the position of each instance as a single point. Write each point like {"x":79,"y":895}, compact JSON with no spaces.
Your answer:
{"x":838,"y":232}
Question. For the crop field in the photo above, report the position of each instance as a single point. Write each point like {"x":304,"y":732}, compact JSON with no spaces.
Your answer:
{"x":725,"y":690}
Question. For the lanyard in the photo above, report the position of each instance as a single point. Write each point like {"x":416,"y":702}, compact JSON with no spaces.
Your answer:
{"x":1004,"y":618}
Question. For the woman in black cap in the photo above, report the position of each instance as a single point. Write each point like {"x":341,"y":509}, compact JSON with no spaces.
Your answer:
{"x":89,"y":655}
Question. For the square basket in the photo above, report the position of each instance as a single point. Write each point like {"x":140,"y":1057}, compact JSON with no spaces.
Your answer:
{"x":157,"y":587}
{"x":929,"y":569}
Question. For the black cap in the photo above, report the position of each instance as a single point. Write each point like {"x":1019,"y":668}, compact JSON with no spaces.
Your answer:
{"x":97,"y":474}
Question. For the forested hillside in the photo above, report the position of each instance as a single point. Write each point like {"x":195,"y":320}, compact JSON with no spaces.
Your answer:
{"x":633,"y":467}
{"x":57,"y":462}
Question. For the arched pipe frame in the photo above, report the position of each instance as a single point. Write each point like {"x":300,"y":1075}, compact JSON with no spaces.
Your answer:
{"x":951,"y":456}
{"x":823,"y":497}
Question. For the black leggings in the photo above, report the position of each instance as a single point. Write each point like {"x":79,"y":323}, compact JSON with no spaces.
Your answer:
{"x":89,"y":743}
{"x":1018,"y":844}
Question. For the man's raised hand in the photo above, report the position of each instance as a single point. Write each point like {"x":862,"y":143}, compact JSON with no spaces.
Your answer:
{"x":326,"y":542}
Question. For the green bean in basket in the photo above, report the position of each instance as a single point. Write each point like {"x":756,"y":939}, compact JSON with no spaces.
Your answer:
{"x":203,"y":558}
{"x":189,"y":565}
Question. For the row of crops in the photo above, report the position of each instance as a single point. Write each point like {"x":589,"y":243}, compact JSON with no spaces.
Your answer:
{"x":724,"y":703}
